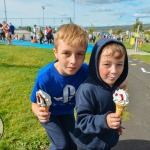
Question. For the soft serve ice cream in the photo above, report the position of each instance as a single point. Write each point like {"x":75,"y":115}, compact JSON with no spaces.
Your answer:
{"x":120,"y":97}
{"x":43,"y":99}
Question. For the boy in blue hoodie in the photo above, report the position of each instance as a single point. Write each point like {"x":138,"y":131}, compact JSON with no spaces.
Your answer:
{"x":60,"y":79}
{"x":97,"y":125}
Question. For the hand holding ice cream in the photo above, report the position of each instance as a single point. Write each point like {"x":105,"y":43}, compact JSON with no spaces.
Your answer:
{"x":43,"y":99}
{"x":120,"y":97}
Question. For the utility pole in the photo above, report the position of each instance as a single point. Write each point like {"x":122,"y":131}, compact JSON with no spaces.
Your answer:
{"x":5,"y":11}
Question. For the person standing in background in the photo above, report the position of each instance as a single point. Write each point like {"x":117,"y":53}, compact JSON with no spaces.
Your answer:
{"x":12,"y":29}
{"x":2,"y":34}
{"x":49,"y":35}
{"x":40,"y":35}
{"x":35,"y":32}
{"x":6,"y":30}
{"x":45,"y":35}
{"x":140,"y":42}
{"x":132,"y":42}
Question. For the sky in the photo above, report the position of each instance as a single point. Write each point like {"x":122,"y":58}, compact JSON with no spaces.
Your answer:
{"x":82,"y":12}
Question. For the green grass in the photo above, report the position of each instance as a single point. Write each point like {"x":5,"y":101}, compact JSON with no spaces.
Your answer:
{"x":19,"y":66}
{"x":127,"y":45}
{"x":145,"y":47}
{"x":145,"y":58}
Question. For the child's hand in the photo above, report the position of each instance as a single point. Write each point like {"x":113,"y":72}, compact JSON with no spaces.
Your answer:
{"x":113,"y":121}
{"x":42,"y":115}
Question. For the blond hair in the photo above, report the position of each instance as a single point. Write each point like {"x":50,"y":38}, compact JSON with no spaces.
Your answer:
{"x":72,"y":35}
{"x":115,"y":49}
{"x":4,"y":22}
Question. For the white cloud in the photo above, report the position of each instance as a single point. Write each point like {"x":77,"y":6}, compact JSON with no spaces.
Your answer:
{"x":102,"y":9}
{"x":100,"y":1}
{"x":142,"y":15}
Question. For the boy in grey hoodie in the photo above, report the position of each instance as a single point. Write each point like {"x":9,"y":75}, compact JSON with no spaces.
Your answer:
{"x":97,"y":125}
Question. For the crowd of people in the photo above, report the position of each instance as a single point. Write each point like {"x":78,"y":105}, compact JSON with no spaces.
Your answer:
{"x":38,"y":35}
{"x":42,"y":36}
{"x":45,"y":35}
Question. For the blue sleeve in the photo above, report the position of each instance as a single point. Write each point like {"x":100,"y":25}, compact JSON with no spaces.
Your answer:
{"x":39,"y":82}
{"x":35,"y":89}
{"x":87,"y":120}
{"x":37,"y":85}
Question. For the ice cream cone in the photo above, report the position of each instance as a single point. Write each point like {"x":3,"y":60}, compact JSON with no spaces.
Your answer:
{"x":46,"y":108}
{"x":119,"y":109}
{"x":43,"y":99}
{"x":120,"y":97}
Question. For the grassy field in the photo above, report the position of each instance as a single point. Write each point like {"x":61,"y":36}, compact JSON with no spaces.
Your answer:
{"x":19,"y":66}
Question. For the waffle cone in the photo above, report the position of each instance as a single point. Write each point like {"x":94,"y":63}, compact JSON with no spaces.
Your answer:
{"x":46,"y":108}
{"x":119,"y":109}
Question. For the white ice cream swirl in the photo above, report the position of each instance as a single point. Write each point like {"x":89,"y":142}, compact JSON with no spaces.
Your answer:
{"x":43,"y":99}
{"x":120,"y":97}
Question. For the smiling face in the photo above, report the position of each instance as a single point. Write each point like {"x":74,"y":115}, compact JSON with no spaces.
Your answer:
{"x":111,"y":65}
{"x":69,"y":58}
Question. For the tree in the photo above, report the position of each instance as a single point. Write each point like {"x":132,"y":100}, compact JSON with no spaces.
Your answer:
{"x":29,"y":28}
{"x":135,"y":26}
{"x":117,"y":31}
{"x":92,"y":29}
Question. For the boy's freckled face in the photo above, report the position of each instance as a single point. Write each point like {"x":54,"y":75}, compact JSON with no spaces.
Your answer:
{"x":110,"y":68}
{"x":69,"y":58}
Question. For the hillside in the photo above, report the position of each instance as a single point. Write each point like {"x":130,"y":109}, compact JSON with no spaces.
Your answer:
{"x":125,"y":27}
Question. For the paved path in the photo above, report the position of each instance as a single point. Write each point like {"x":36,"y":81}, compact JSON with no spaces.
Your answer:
{"x":136,"y":136}
{"x":131,"y":51}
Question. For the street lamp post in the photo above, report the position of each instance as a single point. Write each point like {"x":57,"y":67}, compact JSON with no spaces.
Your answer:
{"x":43,"y":7}
{"x":5,"y":11}
{"x":74,"y":10}
{"x":136,"y":42}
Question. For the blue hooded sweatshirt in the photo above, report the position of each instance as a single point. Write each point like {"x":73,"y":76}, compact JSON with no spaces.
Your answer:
{"x":94,"y":100}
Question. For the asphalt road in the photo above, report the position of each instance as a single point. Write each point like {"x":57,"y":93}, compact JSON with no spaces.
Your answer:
{"x":136,"y":135}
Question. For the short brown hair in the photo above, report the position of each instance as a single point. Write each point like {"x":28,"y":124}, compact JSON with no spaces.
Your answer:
{"x":116,"y":50}
{"x":71,"y":34}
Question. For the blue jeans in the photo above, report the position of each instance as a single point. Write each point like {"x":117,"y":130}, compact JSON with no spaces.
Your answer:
{"x":60,"y":132}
